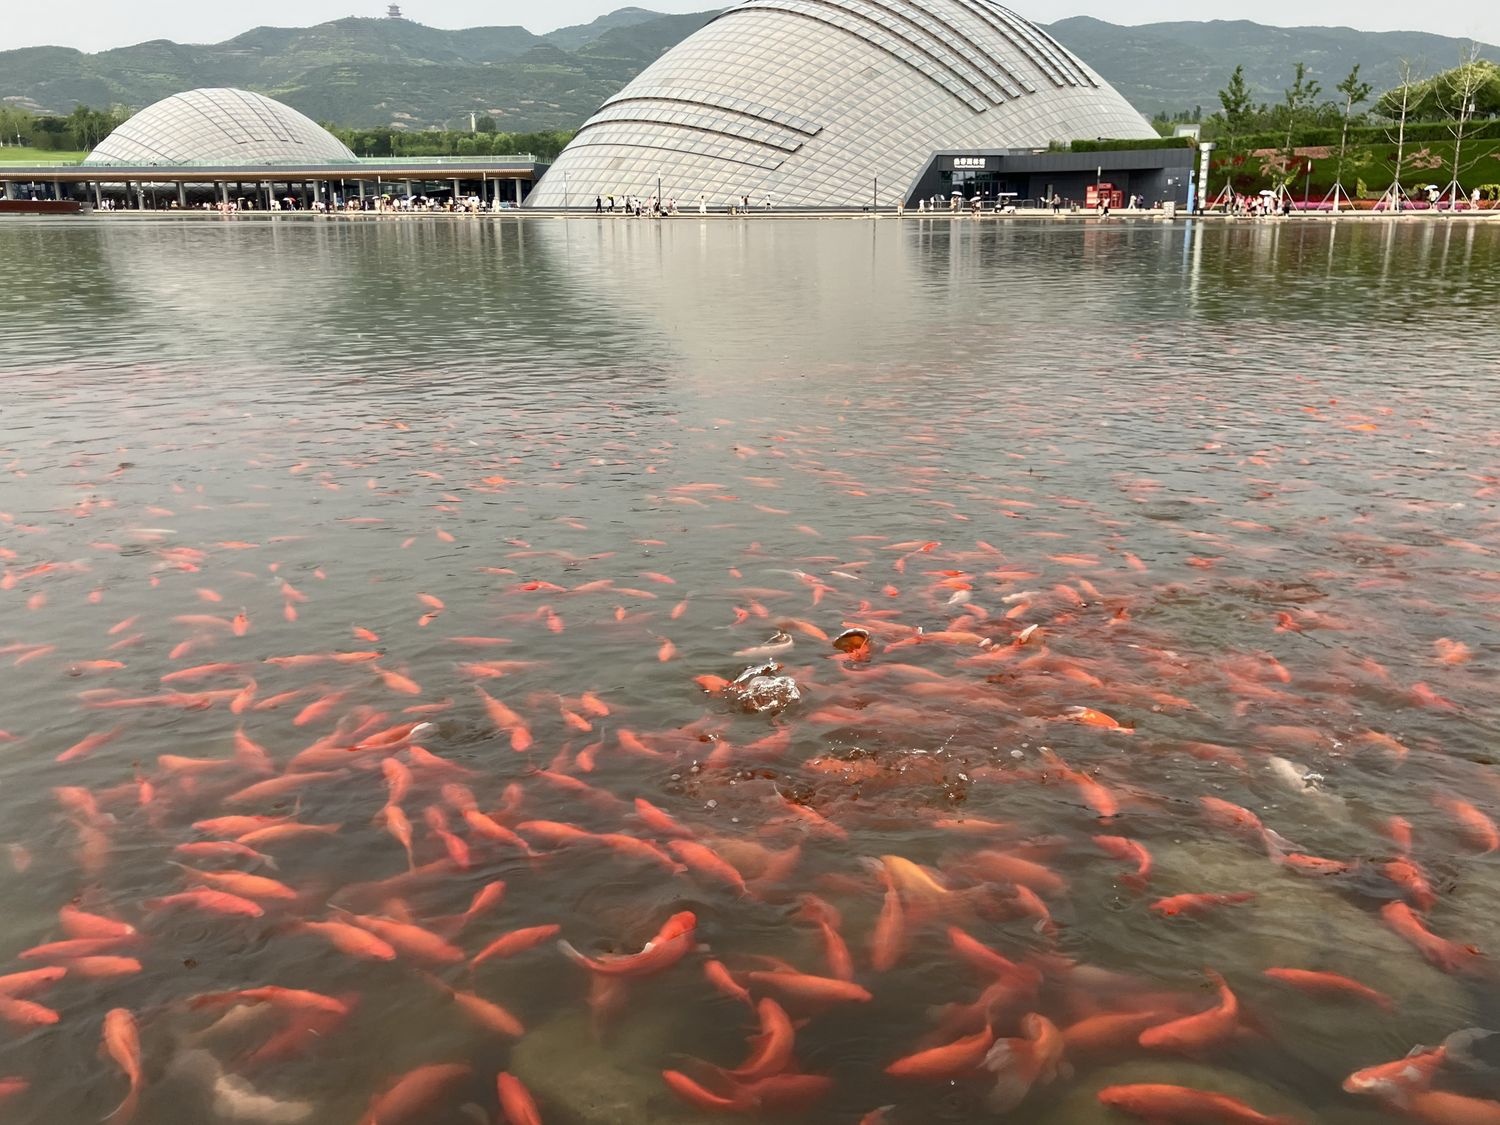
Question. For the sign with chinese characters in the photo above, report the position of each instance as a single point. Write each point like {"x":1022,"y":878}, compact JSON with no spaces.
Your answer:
{"x":968,"y":162}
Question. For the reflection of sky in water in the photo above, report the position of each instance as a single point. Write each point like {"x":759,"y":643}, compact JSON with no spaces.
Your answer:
{"x":1291,"y":427}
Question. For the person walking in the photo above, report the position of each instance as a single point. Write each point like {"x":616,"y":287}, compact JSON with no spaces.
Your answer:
{"x":598,"y":204}
{"x":702,"y":203}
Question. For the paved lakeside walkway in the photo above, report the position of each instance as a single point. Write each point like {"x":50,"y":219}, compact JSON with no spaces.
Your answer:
{"x":1028,"y":216}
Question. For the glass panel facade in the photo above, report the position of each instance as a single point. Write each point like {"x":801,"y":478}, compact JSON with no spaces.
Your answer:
{"x":220,"y":126}
{"x":833,"y":103}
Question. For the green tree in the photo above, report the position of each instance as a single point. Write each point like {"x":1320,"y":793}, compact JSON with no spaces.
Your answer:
{"x":1430,"y":99}
{"x":1355,"y":92}
{"x":88,"y":126}
{"x":486,"y":124}
{"x":1238,"y":106}
{"x":1300,"y":97}
{"x":15,"y":125}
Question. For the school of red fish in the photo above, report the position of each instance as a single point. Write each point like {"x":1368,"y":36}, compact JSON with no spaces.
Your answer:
{"x":1010,"y":819}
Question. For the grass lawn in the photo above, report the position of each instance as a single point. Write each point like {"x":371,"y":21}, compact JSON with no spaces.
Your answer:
{"x":10,"y":154}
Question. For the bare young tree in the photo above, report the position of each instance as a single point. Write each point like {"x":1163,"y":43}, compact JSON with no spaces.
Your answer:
{"x":1396,"y":104}
{"x":1459,"y":100}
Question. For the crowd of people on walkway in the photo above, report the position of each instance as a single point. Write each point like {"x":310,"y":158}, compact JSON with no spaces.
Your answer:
{"x":379,"y":204}
{"x":654,"y":207}
{"x":1258,"y":206}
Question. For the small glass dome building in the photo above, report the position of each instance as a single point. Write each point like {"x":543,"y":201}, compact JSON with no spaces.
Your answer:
{"x":220,"y":127}
{"x":814,"y":101}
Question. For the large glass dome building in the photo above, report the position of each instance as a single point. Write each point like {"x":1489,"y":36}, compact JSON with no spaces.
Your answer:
{"x":830,"y":103}
{"x":221,"y":127}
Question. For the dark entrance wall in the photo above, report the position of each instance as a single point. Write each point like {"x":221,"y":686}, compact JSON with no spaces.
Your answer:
{"x":1156,"y":174}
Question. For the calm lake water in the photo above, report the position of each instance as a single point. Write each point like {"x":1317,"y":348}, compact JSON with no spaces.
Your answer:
{"x":535,"y":484}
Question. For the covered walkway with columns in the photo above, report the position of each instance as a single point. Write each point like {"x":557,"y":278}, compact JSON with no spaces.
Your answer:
{"x":496,"y":180}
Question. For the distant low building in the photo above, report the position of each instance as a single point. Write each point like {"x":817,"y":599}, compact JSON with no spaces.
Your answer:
{"x":234,"y":146}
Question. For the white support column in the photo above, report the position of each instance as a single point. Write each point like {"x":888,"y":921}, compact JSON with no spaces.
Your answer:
{"x":182,"y":195}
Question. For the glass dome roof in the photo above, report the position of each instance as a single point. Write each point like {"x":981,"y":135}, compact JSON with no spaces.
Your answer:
{"x":220,"y":126}
{"x":814,"y":101}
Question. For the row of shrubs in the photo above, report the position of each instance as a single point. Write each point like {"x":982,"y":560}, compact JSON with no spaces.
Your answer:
{"x":1418,"y":131}
{"x":1105,"y":145}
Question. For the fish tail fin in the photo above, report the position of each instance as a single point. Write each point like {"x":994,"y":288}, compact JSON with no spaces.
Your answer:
{"x":1013,"y":1062}
{"x":1459,"y":1048}
{"x":572,"y":954}
{"x":1276,"y":844}
{"x":125,"y":1111}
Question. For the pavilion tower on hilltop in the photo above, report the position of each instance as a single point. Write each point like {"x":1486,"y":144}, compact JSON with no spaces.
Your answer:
{"x":393,"y":12}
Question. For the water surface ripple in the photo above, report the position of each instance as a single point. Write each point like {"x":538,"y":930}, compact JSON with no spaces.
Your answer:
{"x":1176,"y":547}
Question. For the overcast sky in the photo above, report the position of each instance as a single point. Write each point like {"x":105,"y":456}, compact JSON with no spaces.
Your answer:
{"x":99,"y":24}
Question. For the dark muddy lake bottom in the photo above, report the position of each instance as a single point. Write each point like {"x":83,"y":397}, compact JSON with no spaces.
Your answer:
{"x":427,"y":552}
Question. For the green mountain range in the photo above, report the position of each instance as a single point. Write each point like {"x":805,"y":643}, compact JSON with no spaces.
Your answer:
{"x":373,"y":72}
{"x":1177,"y":66}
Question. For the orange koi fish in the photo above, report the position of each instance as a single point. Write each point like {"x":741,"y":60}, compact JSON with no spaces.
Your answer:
{"x":809,"y":989}
{"x":507,"y":720}
{"x":410,"y":940}
{"x":411,"y":1097}
{"x":957,"y":1059}
{"x":1198,"y":903}
{"x":1411,"y":879}
{"x":351,"y":940}
{"x":122,"y":1042}
{"x":1330,"y":984}
{"x":1183,"y":1105}
{"x":515,"y":942}
{"x":1447,"y":955}
{"x":1128,"y":851}
{"x":208,"y":901}
{"x":1193,"y":1033}
{"x":826,"y":918}
{"x":1477,"y":829}
{"x":1020,"y":1064}
{"x":516,"y":1103}
{"x":288,"y":999}
{"x":670,"y":945}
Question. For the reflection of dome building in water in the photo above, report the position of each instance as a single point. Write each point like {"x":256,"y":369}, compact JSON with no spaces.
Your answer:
{"x":222,"y":127}
{"x":811,"y":102}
